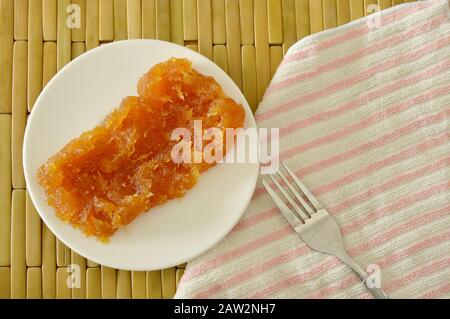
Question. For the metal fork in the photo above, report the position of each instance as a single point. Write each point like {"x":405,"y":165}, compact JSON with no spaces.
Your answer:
{"x":315,"y":226}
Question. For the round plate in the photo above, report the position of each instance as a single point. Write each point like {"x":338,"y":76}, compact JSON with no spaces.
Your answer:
{"x":77,"y":99}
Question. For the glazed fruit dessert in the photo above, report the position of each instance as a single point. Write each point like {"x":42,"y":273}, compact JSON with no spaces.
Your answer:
{"x":106,"y":177}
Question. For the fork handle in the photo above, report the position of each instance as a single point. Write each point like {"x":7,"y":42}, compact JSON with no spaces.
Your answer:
{"x":377,"y":293}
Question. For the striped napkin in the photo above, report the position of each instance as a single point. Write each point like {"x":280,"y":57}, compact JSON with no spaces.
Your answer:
{"x":363,"y":112}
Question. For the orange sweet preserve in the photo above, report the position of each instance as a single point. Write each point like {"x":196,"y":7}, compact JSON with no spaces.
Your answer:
{"x":106,"y":177}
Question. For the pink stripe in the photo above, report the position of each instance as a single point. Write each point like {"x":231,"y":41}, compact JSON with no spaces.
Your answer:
{"x":405,"y":154}
{"x":404,"y":202}
{"x":397,"y":256}
{"x":423,"y":219}
{"x":381,"y":141}
{"x":299,"y":279}
{"x":367,"y":122}
{"x":246,"y":275}
{"x":362,"y":52}
{"x":373,"y":167}
{"x":336,"y":288}
{"x":437,"y":292}
{"x":344,"y":84}
{"x":363,"y":100}
{"x":410,"y":278}
{"x":239,"y":251}
{"x":397,"y":181}
{"x":255,"y":219}
{"x":360,"y":149}
{"x":430,"y":242}
{"x":355,"y":32}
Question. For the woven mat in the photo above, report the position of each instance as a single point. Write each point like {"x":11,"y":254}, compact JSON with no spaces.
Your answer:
{"x":247,"y":38}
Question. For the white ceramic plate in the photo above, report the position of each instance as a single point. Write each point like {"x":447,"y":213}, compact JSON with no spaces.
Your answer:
{"x":77,"y":99}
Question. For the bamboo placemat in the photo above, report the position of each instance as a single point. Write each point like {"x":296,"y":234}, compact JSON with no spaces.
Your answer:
{"x":247,"y":38}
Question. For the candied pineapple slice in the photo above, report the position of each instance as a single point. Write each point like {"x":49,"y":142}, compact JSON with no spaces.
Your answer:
{"x":106,"y":177}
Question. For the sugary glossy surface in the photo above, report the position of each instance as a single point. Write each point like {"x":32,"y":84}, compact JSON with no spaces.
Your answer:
{"x":103,"y":179}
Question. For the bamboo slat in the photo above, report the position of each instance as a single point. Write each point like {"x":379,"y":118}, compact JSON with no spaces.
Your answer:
{"x":329,"y":14}
{"x":218,"y":22}
{"x":34,"y":283}
{"x":108,"y":282}
{"x":19,"y":110}
{"x":138,"y":285}
{"x":356,"y":9}
{"x":148,"y":19}
{"x":220,"y":56}
{"x":49,"y":14}
{"x":62,"y":287}
{"x":92,"y":24}
{"x":93,"y":283}
{"x":163,"y":20}
{"x":48,"y":264}
{"x":123,"y":284}
{"x":49,"y":62}
{"x":204,"y":28}
{"x":190,"y":19}
{"x":276,"y":55}
{"x":384,"y":4}
{"x":6,"y":53}
{"x":302,"y":18}
{"x":106,"y":20}
{"x":246,"y":21}
{"x":120,"y":20}
{"x":343,"y":11}
{"x":262,"y":48}
{"x":63,"y":44}
{"x":289,"y":28}
{"x":134,"y":17}
{"x":33,"y":235}
{"x":249,"y":86}
{"x":20,"y":19}
{"x":78,"y":13}
{"x":154,"y":285}
{"x":275,"y":21}
{"x":168,"y":282}
{"x":5,"y":283}
{"x":62,"y":254}
{"x":315,"y":16}
{"x":18,"y":263}
{"x":5,"y":190}
{"x":233,"y":41}
{"x":176,"y":22}
{"x":34,"y":51}
{"x":78,"y":48}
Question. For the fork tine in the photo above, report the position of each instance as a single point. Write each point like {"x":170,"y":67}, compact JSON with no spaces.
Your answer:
{"x":285,"y":210}
{"x":312,"y":199}
{"x":289,"y":199}
{"x":306,"y":206}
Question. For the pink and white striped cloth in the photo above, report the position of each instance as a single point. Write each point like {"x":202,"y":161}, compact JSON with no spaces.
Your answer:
{"x":363,"y":112}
